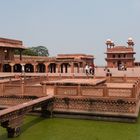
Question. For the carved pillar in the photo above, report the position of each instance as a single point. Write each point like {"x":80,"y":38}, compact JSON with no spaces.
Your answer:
{"x":12,"y":67}
{"x":72,"y":67}
{"x":78,"y":68}
{"x":46,"y":66}
{"x":35,"y":68}
{"x":58,"y":68}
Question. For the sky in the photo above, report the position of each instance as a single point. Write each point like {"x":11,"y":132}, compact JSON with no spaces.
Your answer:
{"x":72,"y":26}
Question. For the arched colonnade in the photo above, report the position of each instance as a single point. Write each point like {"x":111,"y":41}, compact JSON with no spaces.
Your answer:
{"x":65,"y":67}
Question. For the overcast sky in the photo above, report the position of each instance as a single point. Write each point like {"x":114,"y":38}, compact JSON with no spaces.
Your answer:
{"x":72,"y":26}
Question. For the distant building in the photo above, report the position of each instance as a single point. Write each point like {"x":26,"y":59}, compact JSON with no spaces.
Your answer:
{"x":120,"y":56}
{"x":63,"y":63}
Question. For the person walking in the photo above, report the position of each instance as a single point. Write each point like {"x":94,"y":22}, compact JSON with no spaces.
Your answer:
{"x":87,"y":69}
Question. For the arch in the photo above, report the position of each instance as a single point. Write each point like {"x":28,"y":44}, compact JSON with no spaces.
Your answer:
{"x":41,"y":67}
{"x":64,"y":67}
{"x":52,"y":68}
{"x":6,"y":68}
{"x":29,"y":68}
{"x":17,"y":68}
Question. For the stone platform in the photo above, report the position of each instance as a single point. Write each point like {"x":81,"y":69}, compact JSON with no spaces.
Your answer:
{"x":88,"y":82}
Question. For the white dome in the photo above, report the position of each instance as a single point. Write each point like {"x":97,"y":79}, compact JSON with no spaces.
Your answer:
{"x":130,"y":39}
{"x":108,"y":40}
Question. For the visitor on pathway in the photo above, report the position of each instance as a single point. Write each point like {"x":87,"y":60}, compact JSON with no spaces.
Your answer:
{"x":108,"y":73}
{"x":92,"y":69}
{"x":87,"y":69}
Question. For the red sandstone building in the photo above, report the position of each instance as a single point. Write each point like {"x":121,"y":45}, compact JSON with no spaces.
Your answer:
{"x":63,"y":63}
{"x":118,"y":56}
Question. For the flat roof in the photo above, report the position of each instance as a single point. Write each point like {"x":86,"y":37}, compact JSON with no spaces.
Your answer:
{"x":90,"y":82}
{"x":11,"y":43}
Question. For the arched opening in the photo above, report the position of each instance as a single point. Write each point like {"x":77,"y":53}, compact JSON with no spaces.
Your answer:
{"x":64,"y":67}
{"x":6,"y":68}
{"x":52,"y":68}
{"x":41,"y":67}
{"x":29,"y":68}
{"x":17,"y":68}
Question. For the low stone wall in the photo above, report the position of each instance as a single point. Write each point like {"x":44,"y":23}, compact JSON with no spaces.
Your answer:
{"x":114,"y":107}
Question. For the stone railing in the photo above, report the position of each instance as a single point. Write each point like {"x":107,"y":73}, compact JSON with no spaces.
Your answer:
{"x":128,"y":49}
{"x":100,"y":91}
{"x":21,"y":89}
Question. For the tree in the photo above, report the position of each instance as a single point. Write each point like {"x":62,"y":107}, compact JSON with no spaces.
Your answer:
{"x":40,"y":50}
{"x":35,"y":51}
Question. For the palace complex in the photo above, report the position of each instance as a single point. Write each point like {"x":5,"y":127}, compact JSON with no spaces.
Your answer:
{"x":118,"y":56}
{"x":114,"y":96}
{"x":63,"y":63}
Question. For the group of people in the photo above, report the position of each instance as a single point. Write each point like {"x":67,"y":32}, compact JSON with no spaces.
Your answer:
{"x":90,"y":69}
{"x":122,"y":67}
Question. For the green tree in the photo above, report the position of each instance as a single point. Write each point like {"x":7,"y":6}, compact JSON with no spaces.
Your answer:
{"x":40,"y":50}
{"x":35,"y":51}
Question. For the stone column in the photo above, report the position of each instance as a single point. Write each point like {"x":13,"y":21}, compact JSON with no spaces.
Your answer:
{"x":78,"y":68}
{"x":35,"y":68}
{"x":58,"y":68}
{"x":12,"y":67}
{"x":72,"y":67}
{"x":46,"y":66}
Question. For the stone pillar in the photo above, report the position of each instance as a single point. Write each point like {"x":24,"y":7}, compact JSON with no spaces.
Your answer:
{"x":78,"y":68}
{"x":35,"y":68}
{"x":46,"y":66}
{"x":12,"y":67}
{"x":72,"y":67}
{"x":58,"y":68}
{"x":84,"y":64}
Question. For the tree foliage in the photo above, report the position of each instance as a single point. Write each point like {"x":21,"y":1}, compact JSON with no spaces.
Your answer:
{"x":35,"y":51}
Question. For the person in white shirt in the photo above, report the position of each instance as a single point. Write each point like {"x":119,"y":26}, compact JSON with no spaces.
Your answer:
{"x":87,"y":69}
